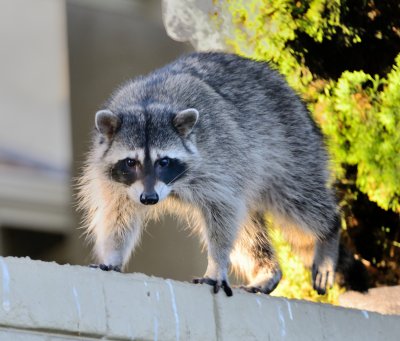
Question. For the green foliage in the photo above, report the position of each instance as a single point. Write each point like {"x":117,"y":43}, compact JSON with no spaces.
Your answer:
{"x":363,"y":126}
{"x":263,"y":28}
{"x":354,"y":95}
{"x":359,"y":113}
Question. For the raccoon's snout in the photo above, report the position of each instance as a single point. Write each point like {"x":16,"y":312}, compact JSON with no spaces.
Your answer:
{"x":149,"y":198}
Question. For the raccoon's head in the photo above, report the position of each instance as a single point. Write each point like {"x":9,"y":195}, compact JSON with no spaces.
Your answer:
{"x":147,"y":149}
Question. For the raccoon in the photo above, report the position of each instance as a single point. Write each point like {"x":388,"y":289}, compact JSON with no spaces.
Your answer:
{"x":223,"y":140}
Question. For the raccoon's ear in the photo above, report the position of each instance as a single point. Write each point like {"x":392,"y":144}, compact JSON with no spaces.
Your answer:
{"x":185,"y":120}
{"x":107,"y":123}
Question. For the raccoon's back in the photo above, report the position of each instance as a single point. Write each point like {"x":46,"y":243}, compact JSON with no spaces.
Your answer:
{"x":237,"y":79}
{"x":258,"y":92}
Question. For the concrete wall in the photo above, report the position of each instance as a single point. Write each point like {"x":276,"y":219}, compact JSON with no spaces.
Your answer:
{"x":34,"y":81}
{"x":46,"y":301}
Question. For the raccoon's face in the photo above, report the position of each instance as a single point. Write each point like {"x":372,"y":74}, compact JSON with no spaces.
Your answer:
{"x":148,"y":151}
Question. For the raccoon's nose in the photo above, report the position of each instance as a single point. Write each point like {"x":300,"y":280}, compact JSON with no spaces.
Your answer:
{"x":149,"y":198}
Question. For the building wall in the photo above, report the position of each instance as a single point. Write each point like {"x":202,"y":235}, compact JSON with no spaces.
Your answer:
{"x":35,"y":132}
{"x":59,"y":60}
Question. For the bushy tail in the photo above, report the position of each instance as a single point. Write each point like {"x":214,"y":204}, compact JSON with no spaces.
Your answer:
{"x":353,"y":274}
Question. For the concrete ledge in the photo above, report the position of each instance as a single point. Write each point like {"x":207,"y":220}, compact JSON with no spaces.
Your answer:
{"x":384,"y":300}
{"x":42,"y":300}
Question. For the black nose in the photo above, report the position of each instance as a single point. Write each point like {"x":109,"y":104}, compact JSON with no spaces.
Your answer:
{"x":149,"y":198}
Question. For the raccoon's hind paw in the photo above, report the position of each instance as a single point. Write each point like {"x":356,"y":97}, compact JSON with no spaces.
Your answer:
{"x":105,"y":267}
{"x":215,"y":284}
{"x":263,"y":290}
{"x":323,"y":279}
{"x":265,"y":282}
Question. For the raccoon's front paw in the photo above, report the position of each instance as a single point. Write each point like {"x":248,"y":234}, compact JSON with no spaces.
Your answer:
{"x":216,"y":284}
{"x":323,"y":277}
{"x":105,"y":267}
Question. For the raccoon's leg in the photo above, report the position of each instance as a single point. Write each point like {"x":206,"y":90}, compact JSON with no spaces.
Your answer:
{"x":113,"y":249}
{"x":254,"y":256}
{"x":221,"y":226}
{"x":317,"y":247}
{"x":115,"y":237}
{"x":325,"y":259}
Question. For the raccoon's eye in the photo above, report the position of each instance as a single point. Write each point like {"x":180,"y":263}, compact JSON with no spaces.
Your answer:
{"x":131,"y":163}
{"x":163,"y":162}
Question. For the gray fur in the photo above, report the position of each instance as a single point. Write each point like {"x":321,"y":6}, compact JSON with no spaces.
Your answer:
{"x":252,"y":148}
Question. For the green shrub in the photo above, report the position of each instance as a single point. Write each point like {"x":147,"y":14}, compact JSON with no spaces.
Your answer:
{"x":363,"y":128}
{"x":359,"y":113}
{"x":354,"y":98}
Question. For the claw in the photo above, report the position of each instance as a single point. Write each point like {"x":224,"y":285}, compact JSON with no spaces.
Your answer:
{"x":215,"y":284}
{"x":252,"y":290}
{"x":322,"y":280}
{"x":227,"y":288}
{"x":205,"y":280}
{"x":216,"y":288}
{"x":105,"y":267}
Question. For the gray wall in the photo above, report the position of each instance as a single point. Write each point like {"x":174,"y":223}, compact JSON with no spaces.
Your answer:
{"x":35,"y":141}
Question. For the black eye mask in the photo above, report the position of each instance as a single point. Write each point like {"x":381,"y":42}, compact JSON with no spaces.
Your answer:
{"x":124,"y":173}
{"x":170,"y":170}
{"x":166,"y":170}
